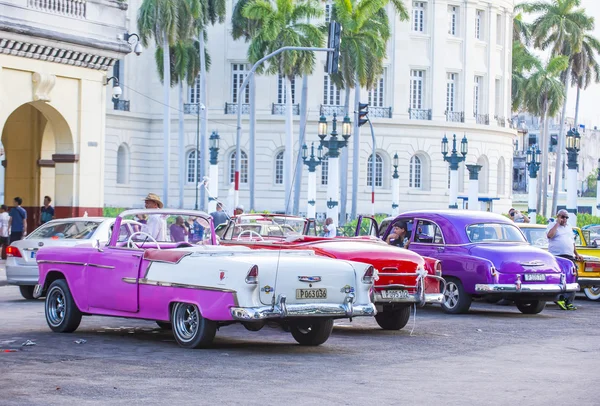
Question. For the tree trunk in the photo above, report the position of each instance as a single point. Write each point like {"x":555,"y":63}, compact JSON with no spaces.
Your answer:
{"x":166,"y":118}
{"x":289,"y":145}
{"x":181,"y":145}
{"x":203,"y":117}
{"x":252,"y":143}
{"x":356,"y":151}
{"x":541,"y":170}
{"x":546,"y":147}
{"x":560,"y":147}
{"x":577,"y":106}
{"x":301,"y":141}
{"x":344,"y":168}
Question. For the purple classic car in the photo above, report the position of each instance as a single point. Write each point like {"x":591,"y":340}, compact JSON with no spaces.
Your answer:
{"x":482,"y":255}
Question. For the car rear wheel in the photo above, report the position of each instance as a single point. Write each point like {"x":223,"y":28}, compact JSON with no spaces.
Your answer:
{"x":27,"y":291}
{"x":531,"y":306}
{"x":62,"y":314}
{"x":164,"y":325}
{"x":456,"y":300}
{"x":393,"y":319}
{"x":592,"y":293}
{"x":190,"y":329}
{"x":311,"y":332}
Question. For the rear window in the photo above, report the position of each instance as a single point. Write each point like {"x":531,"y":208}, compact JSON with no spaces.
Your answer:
{"x":494,"y":232}
{"x":71,"y":230}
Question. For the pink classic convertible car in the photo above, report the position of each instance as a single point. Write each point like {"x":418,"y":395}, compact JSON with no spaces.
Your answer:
{"x":195,"y":289}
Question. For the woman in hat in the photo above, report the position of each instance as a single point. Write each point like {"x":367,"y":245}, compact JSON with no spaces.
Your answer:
{"x":156,"y":225}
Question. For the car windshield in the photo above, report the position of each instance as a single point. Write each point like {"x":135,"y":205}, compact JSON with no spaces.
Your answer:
{"x":66,"y":230}
{"x":175,"y":228}
{"x":494,"y":232}
{"x":268,"y":229}
{"x":536,"y":236}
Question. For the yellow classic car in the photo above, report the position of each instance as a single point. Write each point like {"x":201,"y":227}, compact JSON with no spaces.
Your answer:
{"x":588,"y":270}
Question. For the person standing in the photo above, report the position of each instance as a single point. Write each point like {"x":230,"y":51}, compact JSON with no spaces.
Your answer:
{"x":561,"y":243}
{"x":179,"y":231}
{"x":47,"y":211}
{"x":4,"y":220}
{"x":518,"y":217}
{"x":219,"y":216}
{"x":18,"y":221}
{"x":195,"y":230}
{"x":239,"y":209}
{"x":156,"y":225}
{"x":329,"y":228}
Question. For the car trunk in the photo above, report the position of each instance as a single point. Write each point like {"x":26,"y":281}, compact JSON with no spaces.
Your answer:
{"x":29,"y":247}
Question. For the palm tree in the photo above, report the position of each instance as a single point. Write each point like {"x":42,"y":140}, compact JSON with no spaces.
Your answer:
{"x":585,"y":68}
{"x":560,"y":26}
{"x":282,"y":23}
{"x":521,"y":30}
{"x":522,"y":63}
{"x":544,"y":95}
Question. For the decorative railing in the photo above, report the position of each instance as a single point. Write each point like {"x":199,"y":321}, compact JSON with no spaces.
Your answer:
{"x":71,"y":8}
{"x":232,"y":108}
{"x":501,"y":121}
{"x":329,"y":109}
{"x":190,"y":108}
{"x":278,"y":109}
{"x":482,"y":119}
{"x":380,"y":112}
{"x":122,"y":105}
{"x":455,"y":116}
{"x":419,"y":114}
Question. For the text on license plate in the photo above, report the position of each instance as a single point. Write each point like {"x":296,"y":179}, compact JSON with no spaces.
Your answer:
{"x":535,"y":277}
{"x":32,"y":255}
{"x":394,"y":294}
{"x":311,"y":293}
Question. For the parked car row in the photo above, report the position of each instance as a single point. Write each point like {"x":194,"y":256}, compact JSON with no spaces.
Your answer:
{"x":272,"y":270}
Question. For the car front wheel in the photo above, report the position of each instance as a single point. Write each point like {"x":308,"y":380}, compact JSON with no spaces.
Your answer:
{"x":592,"y":293}
{"x":393,"y":319}
{"x":27,"y":291}
{"x":311,"y":332}
{"x":62,"y":314}
{"x":190,"y":329}
{"x":531,"y":306}
{"x":456,"y":300}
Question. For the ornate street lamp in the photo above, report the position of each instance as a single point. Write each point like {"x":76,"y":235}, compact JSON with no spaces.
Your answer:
{"x":573,"y":148}
{"x":533,"y":161}
{"x":333,"y":145}
{"x":312,"y":164}
{"x":395,"y":186}
{"x":454,"y":160}
{"x":213,"y":172}
{"x":598,"y":190}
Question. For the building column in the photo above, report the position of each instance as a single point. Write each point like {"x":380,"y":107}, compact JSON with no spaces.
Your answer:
{"x":474,"y":186}
{"x":311,"y":195}
{"x":213,"y":195}
{"x":532,"y":198}
{"x":333,"y":187}
{"x":572,"y":188}
{"x":598,"y":191}
{"x":453,"y":202}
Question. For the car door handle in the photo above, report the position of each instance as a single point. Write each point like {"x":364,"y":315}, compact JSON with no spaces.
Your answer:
{"x":440,"y":249}
{"x":136,"y":255}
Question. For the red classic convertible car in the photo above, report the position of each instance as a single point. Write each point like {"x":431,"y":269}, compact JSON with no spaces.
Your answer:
{"x":405,"y":278}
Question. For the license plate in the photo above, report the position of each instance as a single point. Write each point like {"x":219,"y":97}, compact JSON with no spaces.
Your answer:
{"x":311,"y":293}
{"x":535,"y":277}
{"x":32,"y":255}
{"x":394,"y":294}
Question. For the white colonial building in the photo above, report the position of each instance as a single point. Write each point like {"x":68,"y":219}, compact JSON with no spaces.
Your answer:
{"x":448,"y":72}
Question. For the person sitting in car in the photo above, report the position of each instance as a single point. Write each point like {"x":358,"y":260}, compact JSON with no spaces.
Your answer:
{"x":399,"y":235}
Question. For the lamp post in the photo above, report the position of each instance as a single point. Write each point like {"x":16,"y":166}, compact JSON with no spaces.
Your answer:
{"x":214,"y":171}
{"x":598,"y":190}
{"x":454,"y":160}
{"x":312,"y":163}
{"x":395,"y":187}
{"x":474,"y":186}
{"x":573,"y":147}
{"x":334,"y":145}
{"x":533,"y":162}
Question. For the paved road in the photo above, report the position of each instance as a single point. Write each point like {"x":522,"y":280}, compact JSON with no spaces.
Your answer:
{"x":492,"y":356}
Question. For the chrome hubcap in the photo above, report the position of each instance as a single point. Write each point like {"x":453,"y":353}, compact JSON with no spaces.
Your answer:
{"x":55,"y":306}
{"x":186,"y":321}
{"x":451,"y":295}
{"x":593,"y":291}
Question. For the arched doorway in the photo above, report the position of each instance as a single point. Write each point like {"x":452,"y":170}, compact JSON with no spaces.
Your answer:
{"x":39,"y":160}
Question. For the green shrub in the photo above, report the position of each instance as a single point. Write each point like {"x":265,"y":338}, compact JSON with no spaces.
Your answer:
{"x":584,"y":219}
{"x":112,"y":211}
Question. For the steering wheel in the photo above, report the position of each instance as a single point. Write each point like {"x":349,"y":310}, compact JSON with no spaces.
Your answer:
{"x":131,"y":244}
{"x":250,"y":232}
{"x":541,"y":242}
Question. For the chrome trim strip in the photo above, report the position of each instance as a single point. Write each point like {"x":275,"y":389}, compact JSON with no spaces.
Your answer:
{"x":61,"y":262}
{"x":37,"y":291}
{"x":412,"y":298}
{"x":526,"y":288}
{"x":145,"y":281}
{"x":130,"y":280}
{"x":285,"y":310}
{"x":585,"y":282}
{"x":101,"y":266}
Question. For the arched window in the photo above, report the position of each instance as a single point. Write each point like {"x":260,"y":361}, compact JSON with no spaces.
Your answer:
{"x":279,"y":168}
{"x":324,"y":170}
{"x":243,"y":167}
{"x":378,"y":171}
{"x":501,"y":177}
{"x":192,"y":167}
{"x":414,"y":174}
{"x":123,"y":164}
{"x":484,"y":174}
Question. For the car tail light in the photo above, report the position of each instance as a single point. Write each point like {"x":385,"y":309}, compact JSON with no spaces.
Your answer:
{"x":13,"y":252}
{"x":438,"y":268}
{"x":369,"y":276}
{"x":252,"y":277}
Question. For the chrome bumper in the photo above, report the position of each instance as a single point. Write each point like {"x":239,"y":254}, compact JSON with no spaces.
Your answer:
{"x":585,"y":282}
{"x":284,"y":310}
{"x":37,"y":291}
{"x":427,"y":298}
{"x":526,"y":288}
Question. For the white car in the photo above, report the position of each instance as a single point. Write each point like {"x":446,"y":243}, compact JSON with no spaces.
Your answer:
{"x":21,"y":264}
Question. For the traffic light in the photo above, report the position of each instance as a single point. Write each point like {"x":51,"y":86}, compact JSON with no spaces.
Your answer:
{"x":333,"y":41}
{"x":363,"y":113}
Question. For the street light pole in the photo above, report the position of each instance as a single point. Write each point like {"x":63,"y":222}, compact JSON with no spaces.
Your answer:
{"x":395,"y":187}
{"x":597,"y":190}
{"x":454,"y":160}
{"x":373,"y":161}
{"x":196,"y":175}
{"x":214,"y":171}
{"x":312,"y":163}
{"x":533,"y":162}
{"x":573,"y":148}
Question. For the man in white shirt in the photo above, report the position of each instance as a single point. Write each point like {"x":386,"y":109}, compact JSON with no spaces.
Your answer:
{"x":156,"y":225}
{"x":561,"y":242}
{"x":4,"y":229}
{"x":330,"y":229}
